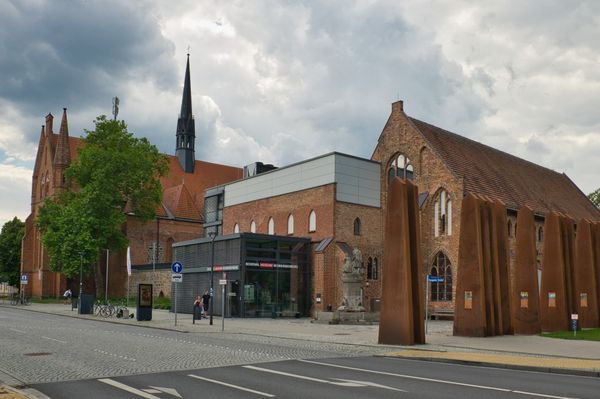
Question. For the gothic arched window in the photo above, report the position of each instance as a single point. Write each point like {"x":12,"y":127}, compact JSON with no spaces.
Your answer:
{"x":290,"y":224}
{"x":400,"y":166}
{"x":236,"y":228}
{"x":441,"y":290}
{"x":253,"y":226}
{"x":357,"y":227}
{"x":442,"y":214}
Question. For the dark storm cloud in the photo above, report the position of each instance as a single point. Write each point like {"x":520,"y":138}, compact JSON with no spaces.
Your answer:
{"x":77,"y":54}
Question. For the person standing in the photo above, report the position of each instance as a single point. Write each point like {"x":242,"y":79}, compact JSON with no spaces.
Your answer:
{"x":197,"y":312}
{"x":205,"y":302}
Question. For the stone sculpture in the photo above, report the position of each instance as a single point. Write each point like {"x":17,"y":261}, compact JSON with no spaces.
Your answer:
{"x":352,"y":279}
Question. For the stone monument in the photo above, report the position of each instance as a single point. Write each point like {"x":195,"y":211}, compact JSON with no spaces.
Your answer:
{"x":352,"y":280}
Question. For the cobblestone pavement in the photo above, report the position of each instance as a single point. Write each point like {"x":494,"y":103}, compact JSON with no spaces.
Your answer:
{"x":36,"y":347}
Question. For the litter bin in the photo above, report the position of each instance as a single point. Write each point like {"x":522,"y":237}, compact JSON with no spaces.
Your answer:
{"x":86,"y":304}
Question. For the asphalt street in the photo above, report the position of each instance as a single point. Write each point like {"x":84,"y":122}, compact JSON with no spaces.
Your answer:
{"x":360,"y":377}
{"x":64,"y":357}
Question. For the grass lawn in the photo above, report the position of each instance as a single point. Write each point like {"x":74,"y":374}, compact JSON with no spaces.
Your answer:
{"x":592,"y":334}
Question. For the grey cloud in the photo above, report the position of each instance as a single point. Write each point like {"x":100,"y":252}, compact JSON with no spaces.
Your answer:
{"x":78,"y":54}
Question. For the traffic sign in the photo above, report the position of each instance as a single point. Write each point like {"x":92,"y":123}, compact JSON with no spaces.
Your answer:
{"x":176,"y":267}
{"x":23,"y":279}
{"x":222,"y":282}
{"x":176,"y":278}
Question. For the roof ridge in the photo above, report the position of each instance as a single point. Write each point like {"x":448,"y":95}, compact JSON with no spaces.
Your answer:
{"x":488,"y":147}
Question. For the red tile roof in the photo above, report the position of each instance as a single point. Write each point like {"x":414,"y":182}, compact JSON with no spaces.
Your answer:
{"x":183,"y":193}
{"x":516,"y":182}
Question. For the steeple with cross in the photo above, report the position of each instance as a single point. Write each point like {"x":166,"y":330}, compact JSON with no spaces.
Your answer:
{"x":186,"y":130}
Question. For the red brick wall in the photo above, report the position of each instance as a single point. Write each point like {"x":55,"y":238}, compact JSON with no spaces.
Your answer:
{"x":431,"y":175}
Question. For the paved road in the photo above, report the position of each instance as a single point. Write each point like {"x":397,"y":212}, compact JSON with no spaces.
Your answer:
{"x":36,"y":347}
{"x":343,"y":378}
{"x":64,"y":357}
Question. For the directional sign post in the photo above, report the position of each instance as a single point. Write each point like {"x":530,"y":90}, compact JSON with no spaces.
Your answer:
{"x":24,"y":279}
{"x":176,"y":278}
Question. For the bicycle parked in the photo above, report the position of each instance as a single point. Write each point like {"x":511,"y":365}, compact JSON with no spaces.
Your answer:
{"x":17,"y":299}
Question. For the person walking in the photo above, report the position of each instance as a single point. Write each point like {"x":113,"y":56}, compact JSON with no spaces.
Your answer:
{"x":205,"y":302}
{"x":67,"y":296}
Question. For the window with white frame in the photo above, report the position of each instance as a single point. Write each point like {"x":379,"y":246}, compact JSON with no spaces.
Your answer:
{"x":236,"y":228}
{"x":253,"y":227}
{"x":271,"y":226}
{"x":312,"y":222}
{"x":290,"y":224}
{"x":442,"y":215}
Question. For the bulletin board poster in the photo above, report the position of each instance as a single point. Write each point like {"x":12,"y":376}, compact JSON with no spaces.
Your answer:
{"x":551,"y":299}
{"x":145,"y":295}
{"x":583,"y":300}
{"x":524,"y":295}
{"x":468,"y":299}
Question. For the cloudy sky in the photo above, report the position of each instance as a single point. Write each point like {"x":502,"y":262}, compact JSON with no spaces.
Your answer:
{"x":280,"y":81}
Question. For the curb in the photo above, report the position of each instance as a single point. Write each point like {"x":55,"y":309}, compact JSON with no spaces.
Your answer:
{"x":552,"y":370}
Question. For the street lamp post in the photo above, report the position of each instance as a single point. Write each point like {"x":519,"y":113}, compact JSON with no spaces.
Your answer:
{"x":80,"y":280}
{"x":212,"y":236}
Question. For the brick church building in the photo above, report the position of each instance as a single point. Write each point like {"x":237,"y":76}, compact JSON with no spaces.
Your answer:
{"x":339,"y":202}
{"x":179,"y":217}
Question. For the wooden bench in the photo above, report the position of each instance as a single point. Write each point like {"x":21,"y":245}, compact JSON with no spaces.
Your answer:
{"x":438,"y":314}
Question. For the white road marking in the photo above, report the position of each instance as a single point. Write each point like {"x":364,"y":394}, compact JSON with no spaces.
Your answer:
{"x":127,"y":388}
{"x":54,"y":339}
{"x":343,"y":383}
{"x":152,"y":390}
{"x":373,"y":384}
{"x":19,"y":331}
{"x":412,"y":377}
{"x":170,"y":391}
{"x":268,"y":395}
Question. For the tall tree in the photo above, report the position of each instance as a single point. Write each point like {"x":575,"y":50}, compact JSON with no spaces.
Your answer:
{"x":114,"y":173}
{"x":595,"y":197}
{"x":10,"y":250}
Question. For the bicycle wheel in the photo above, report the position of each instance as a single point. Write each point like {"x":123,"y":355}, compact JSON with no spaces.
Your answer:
{"x":97,"y":308}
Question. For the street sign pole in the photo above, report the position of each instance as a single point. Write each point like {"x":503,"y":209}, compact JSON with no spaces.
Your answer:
{"x":426,"y":302}
{"x":222,"y":307}
{"x":176,"y":278}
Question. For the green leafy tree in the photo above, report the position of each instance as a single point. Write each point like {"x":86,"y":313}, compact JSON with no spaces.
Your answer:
{"x":10,"y":251}
{"x":114,"y":174}
{"x":595,"y":197}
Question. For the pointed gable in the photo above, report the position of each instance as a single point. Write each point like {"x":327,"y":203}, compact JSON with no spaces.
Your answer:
{"x":178,"y":201}
{"x":62,"y":153}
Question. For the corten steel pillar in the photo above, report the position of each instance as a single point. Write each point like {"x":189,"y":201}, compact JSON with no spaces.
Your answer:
{"x":568,"y":242}
{"x":401,"y":320}
{"x":596,"y":235}
{"x":501,"y":256}
{"x":525,"y":300}
{"x":470,"y":313}
{"x":585,"y":288}
{"x":553,"y":296}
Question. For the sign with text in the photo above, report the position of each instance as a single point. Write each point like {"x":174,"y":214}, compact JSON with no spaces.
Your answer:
{"x":24,"y":279}
{"x":176,"y":278}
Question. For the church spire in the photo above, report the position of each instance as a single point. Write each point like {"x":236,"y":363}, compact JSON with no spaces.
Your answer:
{"x":186,"y":131}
